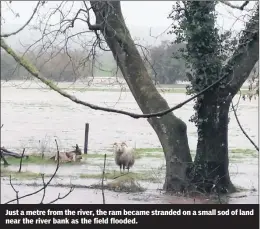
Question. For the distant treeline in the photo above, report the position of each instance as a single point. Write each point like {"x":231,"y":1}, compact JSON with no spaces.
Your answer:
{"x":163,"y":65}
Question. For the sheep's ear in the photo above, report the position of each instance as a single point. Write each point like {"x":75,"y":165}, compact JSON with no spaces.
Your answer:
{"x":123,"y":143}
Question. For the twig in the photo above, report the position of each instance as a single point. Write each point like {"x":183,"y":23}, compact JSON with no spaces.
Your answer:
{"x":21,"y":161}
{"x":102,"y":182}
{"x":19,"y":30}
{"x":16,"y":192}
{"x":44,"y":190}
{"x":239,"y":124}
{"x":46,"y":185}
{"x":62,"y":197}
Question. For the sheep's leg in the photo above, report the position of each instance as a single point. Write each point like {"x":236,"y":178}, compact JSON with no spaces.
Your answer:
{"x":128,"y":169}
{"x":120,"y":168}
{"x":124,"y":168}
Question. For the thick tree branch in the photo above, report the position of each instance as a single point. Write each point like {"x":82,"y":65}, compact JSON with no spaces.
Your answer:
{"x":31,"y":69}
{"x":235,"y":7}
{"x":19,"y":30}
{"x":245,"y":57}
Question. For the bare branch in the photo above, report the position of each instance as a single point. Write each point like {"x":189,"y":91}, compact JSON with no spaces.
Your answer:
{"x":16,"y":192}
{"x":47,"y":82}
{"x":242,"y":129}
{"x":233,"y":6}
{"x":19,"y":30}
{"x":46,"y":184}
{"x":62,"y":197}
{"x":44,"y":190}
{"x":245,"y":57}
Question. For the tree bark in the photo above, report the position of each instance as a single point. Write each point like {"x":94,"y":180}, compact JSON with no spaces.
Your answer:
{"x":210,"y":169}
{"x":171,"y":131}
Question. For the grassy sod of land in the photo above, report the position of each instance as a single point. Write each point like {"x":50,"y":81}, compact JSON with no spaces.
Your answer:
{"x":97,"y":159}
{"x":139,"y":153}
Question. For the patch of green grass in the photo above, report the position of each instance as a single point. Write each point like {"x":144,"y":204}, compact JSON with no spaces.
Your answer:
{"x":32,"y":159}
{"x":139,"y":152}
{"x":242,"y":153}
{"x":148,"y":150}
{"x":27,"y":175}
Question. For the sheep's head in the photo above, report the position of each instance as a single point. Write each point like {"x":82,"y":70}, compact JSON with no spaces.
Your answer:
{"x":116,"y":147}
{"x":123,"y":145}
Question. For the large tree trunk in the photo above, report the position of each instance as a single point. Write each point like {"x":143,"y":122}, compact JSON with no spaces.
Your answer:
{"x":170,"y":130}
{"x":210,"y":169}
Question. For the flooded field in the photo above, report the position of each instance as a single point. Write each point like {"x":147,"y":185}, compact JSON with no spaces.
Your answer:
{"x":34,"y":117}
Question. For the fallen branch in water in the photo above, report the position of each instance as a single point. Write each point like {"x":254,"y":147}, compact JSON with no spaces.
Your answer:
{"x":6,"y":152}
{"x":3,"y":158}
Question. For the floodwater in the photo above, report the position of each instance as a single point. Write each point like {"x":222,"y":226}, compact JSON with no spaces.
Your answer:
{"x":33,"y":115}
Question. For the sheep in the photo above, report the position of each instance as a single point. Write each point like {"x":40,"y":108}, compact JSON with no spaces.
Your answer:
{"x":124,"y":156}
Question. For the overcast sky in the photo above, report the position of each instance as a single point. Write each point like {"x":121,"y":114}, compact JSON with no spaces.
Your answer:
{"x":140,"y":16}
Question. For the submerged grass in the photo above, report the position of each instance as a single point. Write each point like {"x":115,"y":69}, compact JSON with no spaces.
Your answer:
{"x":32,"y":159}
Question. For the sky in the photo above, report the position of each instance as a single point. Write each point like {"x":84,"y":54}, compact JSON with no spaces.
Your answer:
{"x":142,"y":17}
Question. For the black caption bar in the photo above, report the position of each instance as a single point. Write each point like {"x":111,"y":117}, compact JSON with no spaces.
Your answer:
{"x":184,"y":215}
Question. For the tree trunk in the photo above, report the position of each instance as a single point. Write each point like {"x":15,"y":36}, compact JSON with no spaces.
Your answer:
{"x":170,"y":130}
{"x":210,"y":170}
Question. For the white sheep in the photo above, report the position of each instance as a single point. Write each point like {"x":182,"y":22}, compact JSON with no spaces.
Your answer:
{"x":124,"y":156}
